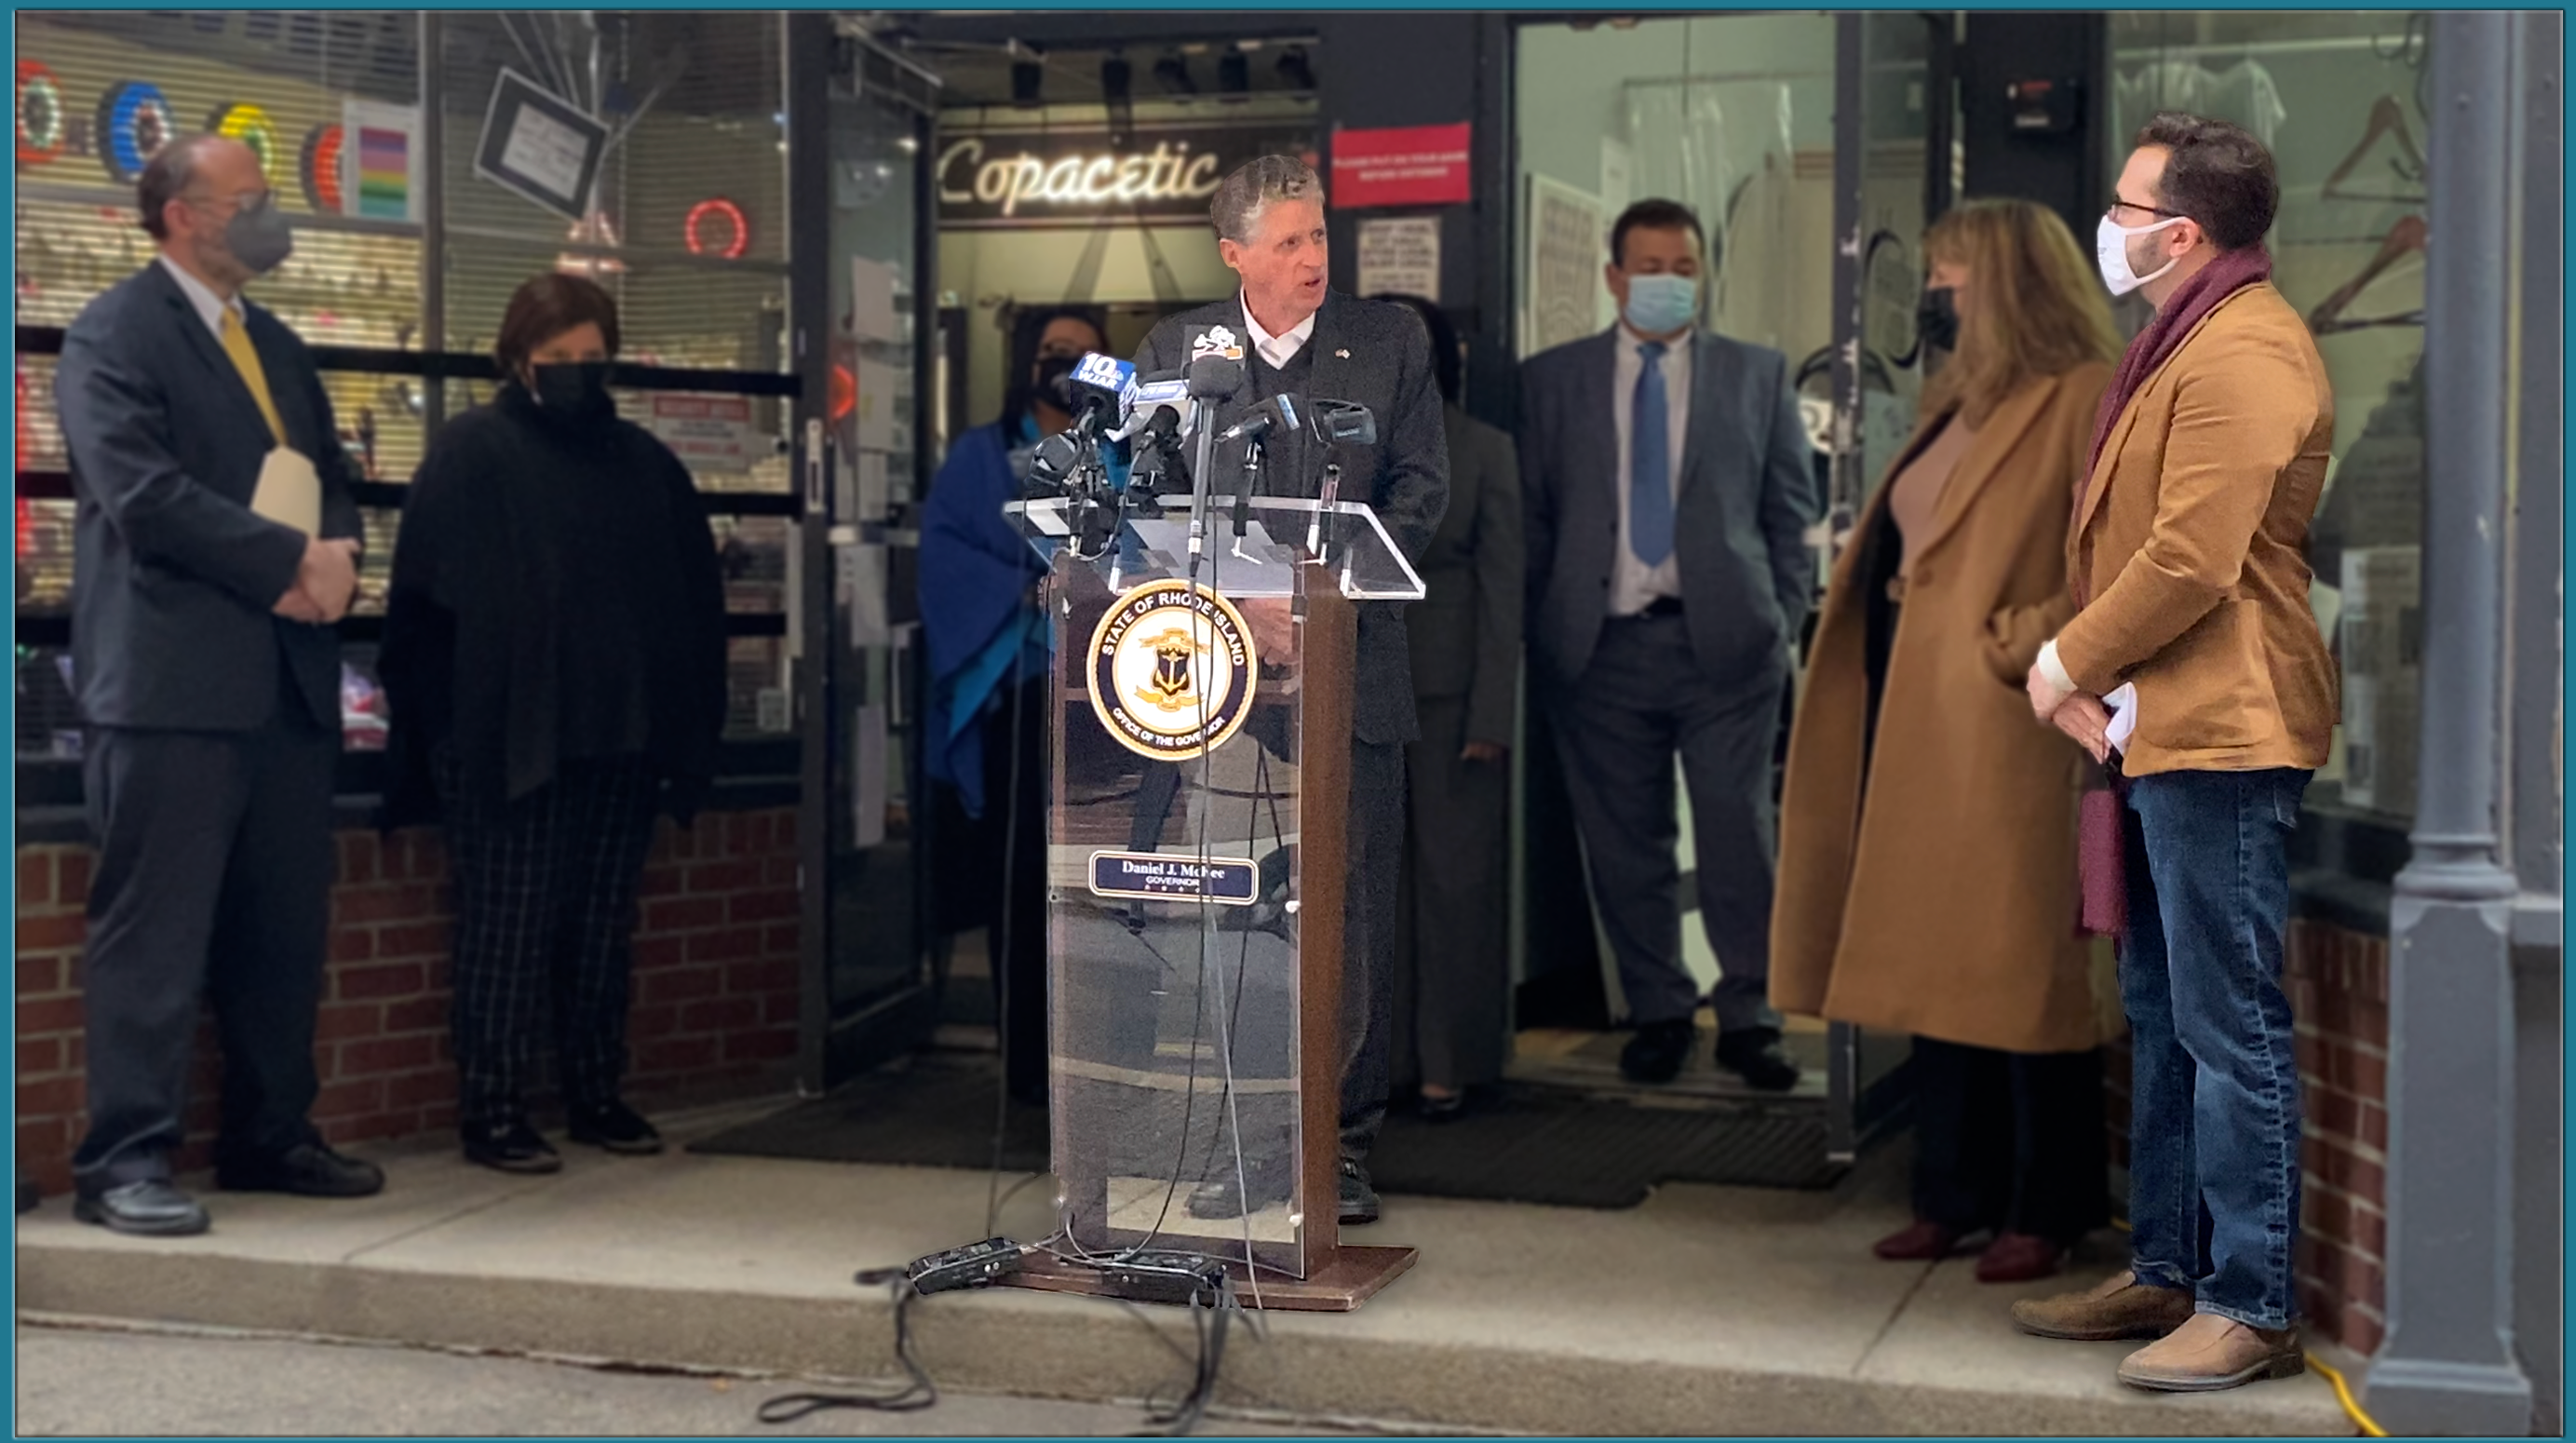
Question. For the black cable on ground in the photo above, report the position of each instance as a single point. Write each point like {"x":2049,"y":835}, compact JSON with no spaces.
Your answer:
{"x":917,"y":1393}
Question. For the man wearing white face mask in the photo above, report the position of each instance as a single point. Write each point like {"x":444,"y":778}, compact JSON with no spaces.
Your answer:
{"x":2187,"y":559}
{"x":1668,"y":488}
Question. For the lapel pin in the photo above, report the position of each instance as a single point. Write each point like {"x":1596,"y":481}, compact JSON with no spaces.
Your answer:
{"x":1341,"y":355}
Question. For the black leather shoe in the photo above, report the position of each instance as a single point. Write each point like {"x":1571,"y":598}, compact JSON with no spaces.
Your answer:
{"x":1657,"y":1052}
{"x":1268,"y":1179}
{"x":153,"y":1208}
{"x":616,"y":1127}
{"x":1359,"y":1196}
{"x":308,"y":1169}
{"x":1755,"y":1055}
{"x":510,"y":1146}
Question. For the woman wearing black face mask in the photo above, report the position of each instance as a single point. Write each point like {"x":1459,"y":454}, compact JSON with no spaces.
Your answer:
{"x":1927,"y":834}
{"x":987,"y":647}
{"x":554,"y":659}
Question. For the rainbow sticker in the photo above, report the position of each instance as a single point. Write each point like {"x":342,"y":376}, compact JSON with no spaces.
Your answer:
{"x":384,"y":172}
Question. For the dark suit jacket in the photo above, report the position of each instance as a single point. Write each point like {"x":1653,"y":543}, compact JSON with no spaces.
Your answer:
{"x":1466,"y":633}
{"x":1748,"y":495}
{"x":173,"y":575}
{"x":1405,"y":477}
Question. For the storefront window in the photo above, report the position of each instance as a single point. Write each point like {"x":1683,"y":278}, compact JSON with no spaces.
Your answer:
{"x":686,"y":224}
{"x":2339,"y":97}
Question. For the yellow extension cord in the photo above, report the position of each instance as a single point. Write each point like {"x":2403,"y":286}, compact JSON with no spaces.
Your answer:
{"x":2343,"y":1390}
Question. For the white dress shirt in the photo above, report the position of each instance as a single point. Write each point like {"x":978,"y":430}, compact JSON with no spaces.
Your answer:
{"x":210,"y":307}
{"x":1278,"y":350}
{"x":1634,"y":585}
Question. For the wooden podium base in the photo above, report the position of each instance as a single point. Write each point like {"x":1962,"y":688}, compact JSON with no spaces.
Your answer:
{"x":1354,"y":1276}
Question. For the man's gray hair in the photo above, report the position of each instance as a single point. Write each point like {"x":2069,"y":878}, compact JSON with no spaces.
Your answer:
{"x":1243,"y":197}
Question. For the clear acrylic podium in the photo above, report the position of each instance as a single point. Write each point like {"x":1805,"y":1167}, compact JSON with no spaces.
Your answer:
{"x":1196,"y":844}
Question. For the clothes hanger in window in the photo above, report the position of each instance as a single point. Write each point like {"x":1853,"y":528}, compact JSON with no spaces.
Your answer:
{"x":2404,"y":238}
{"x":2386,"y":117}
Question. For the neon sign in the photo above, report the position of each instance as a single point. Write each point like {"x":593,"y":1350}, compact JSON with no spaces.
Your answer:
{"x":135,"y":118}
{"x":40,"y":114}
{"x":1033,"y":178}
{"x":721,"y":209}
{"x":251,"y":126}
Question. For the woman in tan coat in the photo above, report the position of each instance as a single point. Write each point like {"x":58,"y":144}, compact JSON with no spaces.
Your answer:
{"x":1927,"y":848}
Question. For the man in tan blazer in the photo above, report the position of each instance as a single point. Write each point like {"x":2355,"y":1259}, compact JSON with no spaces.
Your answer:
{"x":2193,"y":667}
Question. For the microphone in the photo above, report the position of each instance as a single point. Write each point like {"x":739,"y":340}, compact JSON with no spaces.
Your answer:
{"x":1099,"y":383}
{"x":1054,"y":463}
{"x":1158,"y":452}
{"x":1144,"y":396}
{"x":1343,"y":423}
{"x":1283,"y":413}
{"x":1215,"y":374}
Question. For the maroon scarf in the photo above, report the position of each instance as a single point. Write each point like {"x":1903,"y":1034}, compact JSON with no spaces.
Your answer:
{"x":2101,"y":866}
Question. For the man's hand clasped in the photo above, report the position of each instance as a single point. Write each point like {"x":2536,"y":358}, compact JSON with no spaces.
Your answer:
{"x":2079,"y":714}
{"x":326,"y":583}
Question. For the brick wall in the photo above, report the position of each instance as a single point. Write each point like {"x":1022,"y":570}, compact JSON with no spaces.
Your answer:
{"x":2338,"y":987}
{"x":715,"y":1003}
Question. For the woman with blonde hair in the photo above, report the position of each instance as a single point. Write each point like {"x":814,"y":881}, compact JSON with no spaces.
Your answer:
{"x":1927,"y":848}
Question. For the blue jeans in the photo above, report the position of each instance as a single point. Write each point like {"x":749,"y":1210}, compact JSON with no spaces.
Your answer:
{"x":2214,"y":1098}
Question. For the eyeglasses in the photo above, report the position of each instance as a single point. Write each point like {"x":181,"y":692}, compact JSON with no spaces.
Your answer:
{"x":2120,"y":205}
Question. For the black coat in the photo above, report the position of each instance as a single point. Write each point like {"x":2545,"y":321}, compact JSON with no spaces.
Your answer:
{"x":174,"y":578}
{"x":475,"y":626}
{"x":1378,"y":355}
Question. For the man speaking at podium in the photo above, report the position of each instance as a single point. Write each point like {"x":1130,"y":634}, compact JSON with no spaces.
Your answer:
{"x":1310,"y":341}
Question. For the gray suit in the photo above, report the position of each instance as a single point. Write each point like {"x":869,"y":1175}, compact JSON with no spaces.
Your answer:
{"x":1626,"y":694}
{"x":1452,"y":975}
{"x":1379,"y":356}
{"x":214,"y":726}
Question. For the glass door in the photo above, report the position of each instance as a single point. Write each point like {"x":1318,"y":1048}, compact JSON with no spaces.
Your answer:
{"x":864,"y":336}
{"x":1895,"y":168}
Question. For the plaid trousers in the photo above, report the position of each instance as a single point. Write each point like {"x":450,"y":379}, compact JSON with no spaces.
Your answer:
{"x":545,"y":921}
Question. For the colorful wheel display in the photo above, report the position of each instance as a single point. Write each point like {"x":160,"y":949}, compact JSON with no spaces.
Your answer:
{"x":133,"y":124}
{"x":251,"y":126}
{"x":319,"y":169}
{"x":736,"y":240}
{"x":40,"y":114}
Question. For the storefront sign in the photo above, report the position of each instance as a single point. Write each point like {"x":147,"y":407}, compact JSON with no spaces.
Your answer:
{"x":709,"y":431}
{"x":1401,"y":256}
{"x":1417,"y":165}
{"x":998,"y":179}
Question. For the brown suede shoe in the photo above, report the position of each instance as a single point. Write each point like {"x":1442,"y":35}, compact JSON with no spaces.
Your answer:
{"x":2123,"y":1307}
{"x":2209,"y":1353}
{"x":2019,"y":1258}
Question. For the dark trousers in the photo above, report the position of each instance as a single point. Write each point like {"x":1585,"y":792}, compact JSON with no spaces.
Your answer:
{"x":1370,"y":920}
{"x":545,"y":922}
{"x":1452,"y":979}
{"x":2009,"y":1140}
{"x":1641,"y":701}
{"x":2214,"y":1086}
{"x":214,"y":879}
{"x":1014,"y":846}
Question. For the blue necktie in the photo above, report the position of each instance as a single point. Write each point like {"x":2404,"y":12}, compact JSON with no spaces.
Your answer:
{"x":1650,"y":472}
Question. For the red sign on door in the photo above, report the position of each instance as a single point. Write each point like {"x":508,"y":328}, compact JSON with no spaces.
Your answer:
{"x":1416,"y":165}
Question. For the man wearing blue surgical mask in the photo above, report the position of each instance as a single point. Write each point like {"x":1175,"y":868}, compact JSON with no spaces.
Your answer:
{"x":1668,"y":488}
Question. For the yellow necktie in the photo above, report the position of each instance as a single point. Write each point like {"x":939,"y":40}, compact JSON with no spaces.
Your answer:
{"x":246,"y":360}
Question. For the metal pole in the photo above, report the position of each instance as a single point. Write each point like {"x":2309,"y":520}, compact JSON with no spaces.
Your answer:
{"x":2448,"y":1365}
{"x":1842,"y":1041}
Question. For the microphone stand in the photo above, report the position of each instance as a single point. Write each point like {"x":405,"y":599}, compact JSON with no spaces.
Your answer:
{"x":1202,"y":467}
{"x":1321,"y":535}
{"x":1255,"y":452}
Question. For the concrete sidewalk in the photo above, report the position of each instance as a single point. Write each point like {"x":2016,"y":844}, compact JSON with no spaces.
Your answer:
{"x":1705,"y":1311}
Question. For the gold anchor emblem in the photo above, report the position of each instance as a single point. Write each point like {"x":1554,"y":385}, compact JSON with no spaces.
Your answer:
{"x":1173,"y":686}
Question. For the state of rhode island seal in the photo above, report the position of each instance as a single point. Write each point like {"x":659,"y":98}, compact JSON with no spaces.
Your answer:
{"x":1172,"y":671}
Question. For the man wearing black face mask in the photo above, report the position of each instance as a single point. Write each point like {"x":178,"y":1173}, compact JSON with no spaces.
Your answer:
{"x":216,"y":543}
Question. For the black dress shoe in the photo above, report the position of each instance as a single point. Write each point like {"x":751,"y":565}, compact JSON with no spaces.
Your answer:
{"x":1358,"y":1194}
{"x":153,"y":1208}
{"x":1269,"y":1179}
{"x":1755,"y":1054}
{"x":510,"y":1146}
{"x":1657,"y":1052}
{"x":308,"y":1169}
{"x":616,"y":1127}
